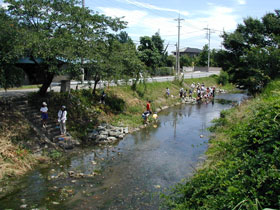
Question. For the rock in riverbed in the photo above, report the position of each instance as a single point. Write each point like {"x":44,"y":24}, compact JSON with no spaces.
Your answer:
{"x":105,"y":134}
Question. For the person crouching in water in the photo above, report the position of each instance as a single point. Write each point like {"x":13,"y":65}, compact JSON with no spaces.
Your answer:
{"x":145,"y":116}
{"x":44,"y":114}
{"x":62,"y":113}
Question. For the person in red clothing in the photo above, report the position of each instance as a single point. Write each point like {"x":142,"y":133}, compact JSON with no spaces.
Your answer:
{"x":149,"y":107}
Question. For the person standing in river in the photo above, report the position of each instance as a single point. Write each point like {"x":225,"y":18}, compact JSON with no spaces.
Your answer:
{"x":44,"y":114}
{"x":148,"y":107}
{"x":62,"y":117}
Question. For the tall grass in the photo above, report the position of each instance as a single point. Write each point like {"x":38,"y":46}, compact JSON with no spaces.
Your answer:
{"x":242,"y":168}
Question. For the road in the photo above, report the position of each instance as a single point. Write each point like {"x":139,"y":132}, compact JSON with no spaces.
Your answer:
{"x":56,"y":86}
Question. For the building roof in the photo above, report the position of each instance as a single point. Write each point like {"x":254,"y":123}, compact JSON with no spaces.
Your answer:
{"x":190,"y":50}
{"x":27,"y":60}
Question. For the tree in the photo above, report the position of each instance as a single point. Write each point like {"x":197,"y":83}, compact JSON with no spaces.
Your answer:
{"x":186,"y":60}
{"x":123,"y":38}
{"x":170,"y":61}
{"x":148,"y":53}
{"x":59,"y":32}
{"x":114,"y":61}
{"x":252,"y":55}
{"x":152,"y":52}
{"x":10,"y":76}
{"x":202,"y":59}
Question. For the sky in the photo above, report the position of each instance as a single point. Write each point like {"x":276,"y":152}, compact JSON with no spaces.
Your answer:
{"x":146,"y":17}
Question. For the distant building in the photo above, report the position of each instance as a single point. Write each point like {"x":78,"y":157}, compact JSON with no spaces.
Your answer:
{"x":191,"y":52}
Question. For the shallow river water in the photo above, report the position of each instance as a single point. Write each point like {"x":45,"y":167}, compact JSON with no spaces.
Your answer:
{"x":131,"y":173}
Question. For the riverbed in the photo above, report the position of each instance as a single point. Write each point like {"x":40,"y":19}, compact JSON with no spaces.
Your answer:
{"x":129,"y":174}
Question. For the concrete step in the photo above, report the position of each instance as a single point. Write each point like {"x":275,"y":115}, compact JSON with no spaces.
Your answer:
{"x":55,"y":133}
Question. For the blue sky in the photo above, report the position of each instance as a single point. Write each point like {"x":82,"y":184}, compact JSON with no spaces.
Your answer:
{"x":146,"y":17}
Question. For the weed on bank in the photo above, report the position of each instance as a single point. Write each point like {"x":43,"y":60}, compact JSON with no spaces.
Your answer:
{"x":242,"y":168}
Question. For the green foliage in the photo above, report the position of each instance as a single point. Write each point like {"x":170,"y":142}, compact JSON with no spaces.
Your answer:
{"x":170,"y":61}
{"x":55,"y":154}
{"x":252,"y":52}
{"x":162,"y":71}
{"x":202,"y":59}
{"x":186,"y":60}
{"x":223,"y":78}
{"x":59,"y":32}
{"x":116,"y":104}
{"x":151,"y":52}
{"x":11,"y":76}
{"x":242,"y":170}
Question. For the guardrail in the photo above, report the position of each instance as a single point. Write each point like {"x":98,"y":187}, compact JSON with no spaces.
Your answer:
{"x":102,"y":84}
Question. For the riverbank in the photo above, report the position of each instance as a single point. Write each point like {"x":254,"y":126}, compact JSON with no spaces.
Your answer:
{"x":123,"y":106}
{"x":242,"y":167}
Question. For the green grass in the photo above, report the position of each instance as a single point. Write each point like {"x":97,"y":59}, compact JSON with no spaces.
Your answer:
{"x":242,"y":168}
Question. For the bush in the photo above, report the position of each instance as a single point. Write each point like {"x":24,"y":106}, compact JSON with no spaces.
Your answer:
{"x":162,"y":71}
{"x":223,"y":78}
{"x":242,"y":171}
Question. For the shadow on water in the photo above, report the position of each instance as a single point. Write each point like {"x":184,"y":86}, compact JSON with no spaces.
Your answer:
{"x":130,"y":173}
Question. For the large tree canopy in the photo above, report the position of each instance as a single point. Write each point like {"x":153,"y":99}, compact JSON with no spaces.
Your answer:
{"x":59,"y":32}
{"x":9,"y":38}
{"x":252,"y":55}
{"x":152,"y":52}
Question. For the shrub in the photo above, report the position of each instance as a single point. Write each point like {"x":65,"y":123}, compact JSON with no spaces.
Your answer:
{"x":223,"y":78}
{"x":242,"y":171}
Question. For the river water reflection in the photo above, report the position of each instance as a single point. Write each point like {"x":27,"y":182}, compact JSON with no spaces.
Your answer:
{"x":131,"y":173}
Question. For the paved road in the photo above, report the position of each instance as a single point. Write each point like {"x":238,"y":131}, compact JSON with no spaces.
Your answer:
{"x":56,"y":86}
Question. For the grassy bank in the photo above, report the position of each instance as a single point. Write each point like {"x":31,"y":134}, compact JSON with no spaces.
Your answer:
{"x":242,"y":168}
{"x":123,"y":106}
{"x":15,"y":136}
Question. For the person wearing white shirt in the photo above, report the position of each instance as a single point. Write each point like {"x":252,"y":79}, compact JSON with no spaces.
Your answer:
{"x":44,"y":113}
{"x":62,"y":117}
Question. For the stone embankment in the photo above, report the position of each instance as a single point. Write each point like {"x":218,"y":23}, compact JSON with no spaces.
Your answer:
{"x":107,"y":134}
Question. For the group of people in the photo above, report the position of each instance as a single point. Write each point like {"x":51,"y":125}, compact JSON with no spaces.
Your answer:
{"x":62,"y":117}
{"x":203,"y":92}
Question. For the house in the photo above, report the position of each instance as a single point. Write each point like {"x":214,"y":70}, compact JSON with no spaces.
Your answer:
{"x":33,"y":73}
{"x":191,"y":52}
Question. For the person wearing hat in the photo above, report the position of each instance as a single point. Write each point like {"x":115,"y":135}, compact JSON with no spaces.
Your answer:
{"x":44,"y":114}
{"x":62,"y":113}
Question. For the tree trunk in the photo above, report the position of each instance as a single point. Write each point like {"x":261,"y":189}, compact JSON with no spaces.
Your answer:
{"x":47,"y":82}
{"x":96,"y":80}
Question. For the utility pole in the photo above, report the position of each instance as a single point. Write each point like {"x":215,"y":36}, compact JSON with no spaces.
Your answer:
{"x":176,"y":65}
{"x":82,"y":59}
{"x":178,"y":45}
{"x":208,"y":35}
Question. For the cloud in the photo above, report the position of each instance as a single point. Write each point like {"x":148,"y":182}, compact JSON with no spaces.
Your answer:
{"x":4,"y":5}
{"x":241,"y":2}
{"x":143,"y":23}
{"x":133,"y":17}
{"x":152,"y":7}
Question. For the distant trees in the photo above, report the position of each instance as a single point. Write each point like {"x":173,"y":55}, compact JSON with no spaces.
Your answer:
{"x":252,"y":55}
{"x":152,"y":52}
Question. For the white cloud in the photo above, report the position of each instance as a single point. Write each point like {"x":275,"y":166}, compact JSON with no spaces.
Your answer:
{"x":142,"y":23}
{"x":133,"y":17}
{"x":242,"y":2}
{"x":152,"y":7}
{"x":4,"y":5}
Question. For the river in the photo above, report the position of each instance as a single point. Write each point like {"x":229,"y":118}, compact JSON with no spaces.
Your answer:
{"x":130,"y":174}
